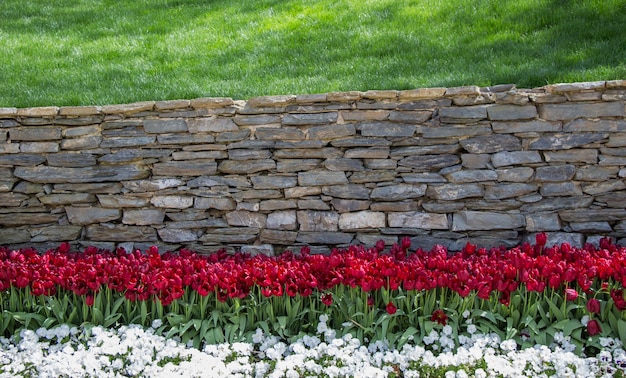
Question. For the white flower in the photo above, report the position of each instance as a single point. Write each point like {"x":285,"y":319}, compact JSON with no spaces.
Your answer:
{"x":156,"y":323}
{"x":471,"y":329}
{"x":584,"y":320}
{"x":323,"y":318}
{"x":257,"y":338}
{"x":447,"y":330}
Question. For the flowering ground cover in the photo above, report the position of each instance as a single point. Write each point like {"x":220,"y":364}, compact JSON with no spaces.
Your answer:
{"x":411,"y":307}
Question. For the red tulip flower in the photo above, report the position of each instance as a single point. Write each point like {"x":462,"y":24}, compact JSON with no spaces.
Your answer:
{"x":593,"y":328}
{"x":439,"y":316}
{"x":327,"y":299}
{"x":593,"y":306}
{"x":571,"y":294}
{"x":391,"y":308}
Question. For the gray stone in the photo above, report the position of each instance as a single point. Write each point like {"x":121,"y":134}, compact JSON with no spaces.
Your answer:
{"x":421,"y":220}
{"x":81,"y":143}
{"x":173,"y":235}
{"x":566,"y":141}
{"x":343,"y":164}
{"x":427,"y":243}
{"x":224,"y":204}
{"x":56,"y":233}
{"x":248,"y":154}
{"x":542,"y":222}
{"x":343,"y":205}
{"x":172,"y":201}
{"x":361,"y":220}
{"x":296,"y":165}
{"x":364,"y":115}
{"x":503,"y":191}
{"x":413,"y":117}
{"x":567,"y":111}
{"x":12,"y":236}
{"x":384,"y":129}
{"x":12,"y":199}
{"x":331,"y":132}
{"x":246,"y":166}
{"x":396,"y":206}
{"x":558,"y":238}
{"x":27,"y":160}
{"x":278,"y":237}
{"x":186,"y":139}
{"x":203,"y":223}
{"x":273,"y":182}
{"x":233,"y":136}
{"x":555,"y":173}
{"x":367,"y":153}
{"x":475,"y":161}
{"x":159,"y":126}
{"x":435,"y":149}
{"x":472,"y":175}
{"x":453,"y":192}
{"x":536,"y":126}
{"x":493,"y":205}
{"x":592,"y":215}
{"x":519,"y":174}
{"x":120,"y":142}
{"x":254,"y":250}
{"x":257,"y":120}
{"x":310,"y":220}
{"x":152,"y":185}
{"x":561,"y":189}
{"x":429,"y":162}
{"x":308,"y":153}
{"x":230,"y":235}
{"x":484,"y":220}
{"x":505,"y":158}
{"x":183,"y":168}
{"x":143,"y":217}
{"x":347,"y":191}
{"x":398,"y":192}
{"x":361,"y":142}
{"x":117,"y":201}
{"x":91,"y":215}
{"x":282,"y":220}
{"x":428,"y":177}
{"x":301,"y":144}
{"x":590,"y":227}
{"x":447,"y":132}
{"x":558,"y":203}
{"x":589,"y":156}
{"x":313,"y":204}
{"x":321,"y":178}
{"x":39,"y":147}
{"x":595,"y":173}
{"x":463,"y":114}
{"x":601,"y":125}
{"x":27,"y":218}
{"x":383,"y":164}
{"x":205,"y":125}
{"x":246,"y":219}
{"x":491,"y":143}
{"x":604,"y":187}
{"x":309,"y":119}
{"x":56,"y":199}
{"x":612,"y":160}
{"x":615,"y":199}
{"x":34,"y":134}
{"x":511,"y":112}
{"x":273,"y":133}
{"x":200,"y":155}
{"x":256,"y":194}
{"x":273,"y":205}
{"x":70,"y":159}
{"x":301,"y":191}
{"x":332,"y":238}
{"x":364,"y":177}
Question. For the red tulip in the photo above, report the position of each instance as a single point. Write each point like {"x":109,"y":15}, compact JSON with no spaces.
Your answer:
{"x":439,"y":316}
{"x":391,"y":308}
{"x":593,"y":328}
{"x":571,"y":294}
{"x":327,"y":299}
{"x":593,"y":306}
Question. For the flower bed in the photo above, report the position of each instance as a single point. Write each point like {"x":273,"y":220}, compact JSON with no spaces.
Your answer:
{"x":529,"y":296}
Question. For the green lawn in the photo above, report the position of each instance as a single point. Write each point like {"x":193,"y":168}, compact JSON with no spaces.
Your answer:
{"x":82,"y":52}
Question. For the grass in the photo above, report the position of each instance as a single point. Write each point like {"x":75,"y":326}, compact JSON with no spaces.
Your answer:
{"x":81,"y":52}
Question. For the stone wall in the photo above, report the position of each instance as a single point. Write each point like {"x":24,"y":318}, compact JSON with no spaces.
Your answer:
{"x":443,"y":165}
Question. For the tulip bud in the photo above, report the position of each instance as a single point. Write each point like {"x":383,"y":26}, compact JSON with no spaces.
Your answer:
{"x":593,"y":306}
{"x":593,"y":328}
{"x":571,"y":294}
{"x":391,"y":308}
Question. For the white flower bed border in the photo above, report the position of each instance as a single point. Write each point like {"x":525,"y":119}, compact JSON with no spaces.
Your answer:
{"x":135,"y":351}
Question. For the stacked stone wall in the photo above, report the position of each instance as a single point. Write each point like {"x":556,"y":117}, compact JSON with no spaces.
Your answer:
{"x":491,"y":166}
